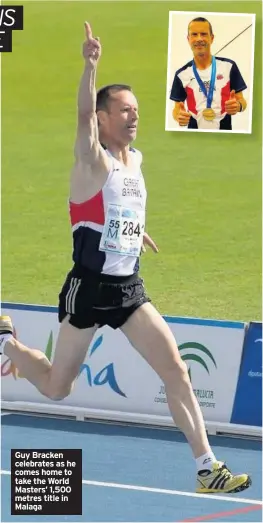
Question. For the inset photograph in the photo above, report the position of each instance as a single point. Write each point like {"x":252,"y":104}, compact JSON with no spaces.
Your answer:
{"x":210,"y":68}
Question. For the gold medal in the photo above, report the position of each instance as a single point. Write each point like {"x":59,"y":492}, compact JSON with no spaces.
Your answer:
{"x":209,"y":114}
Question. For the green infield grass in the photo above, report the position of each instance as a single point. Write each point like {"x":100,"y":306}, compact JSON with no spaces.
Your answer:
{"x":204,"y":191}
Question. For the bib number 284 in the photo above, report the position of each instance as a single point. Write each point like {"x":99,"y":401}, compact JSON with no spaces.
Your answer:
{"x":128,"y":228}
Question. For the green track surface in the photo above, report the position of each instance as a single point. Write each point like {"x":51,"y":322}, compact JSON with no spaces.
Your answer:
{"x":204,"y":191}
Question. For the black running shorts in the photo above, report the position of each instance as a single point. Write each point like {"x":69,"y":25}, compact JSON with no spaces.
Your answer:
{"x":89,"y":298}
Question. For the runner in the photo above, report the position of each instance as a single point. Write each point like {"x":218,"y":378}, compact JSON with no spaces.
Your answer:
{"x":107,"y":209}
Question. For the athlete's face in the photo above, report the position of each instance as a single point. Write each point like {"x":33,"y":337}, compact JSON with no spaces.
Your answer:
{"x":200,"y":38}
{"x":121,"y":120}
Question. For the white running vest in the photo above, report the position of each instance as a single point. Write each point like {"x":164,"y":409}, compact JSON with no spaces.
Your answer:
{"x":112,"y":223}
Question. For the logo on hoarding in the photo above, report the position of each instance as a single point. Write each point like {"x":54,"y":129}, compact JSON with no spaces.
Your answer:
{"x":253,"y":374}
{"x":204,"y":396}
{"x":203,"y":357}
{"x":256,"y":374}
{"x":103,"y":377}
{"x":196,"y":357}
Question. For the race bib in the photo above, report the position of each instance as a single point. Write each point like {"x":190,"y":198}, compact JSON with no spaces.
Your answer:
{"x":123,"y":231}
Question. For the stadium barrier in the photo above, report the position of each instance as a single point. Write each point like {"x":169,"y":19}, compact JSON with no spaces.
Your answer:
{"x":116,"y":384}
{"x":247,"y":408}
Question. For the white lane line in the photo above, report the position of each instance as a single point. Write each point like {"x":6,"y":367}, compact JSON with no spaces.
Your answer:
{"x":164,"y":491}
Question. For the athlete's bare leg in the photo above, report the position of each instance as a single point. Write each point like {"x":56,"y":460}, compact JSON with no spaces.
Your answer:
{"x":55,"y":380}
{"x":148,"y":332}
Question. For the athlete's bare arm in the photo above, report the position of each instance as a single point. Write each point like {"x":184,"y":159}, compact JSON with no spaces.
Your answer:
{"x":92,"y":164}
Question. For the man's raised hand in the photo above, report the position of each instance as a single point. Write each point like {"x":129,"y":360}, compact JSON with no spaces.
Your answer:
{"x":232,"y":106}
{"x":183,"y":115}
{"x":91,"y":47}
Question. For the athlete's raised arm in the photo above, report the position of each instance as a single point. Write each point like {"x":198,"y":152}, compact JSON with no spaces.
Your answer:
{"x":88,"y":150}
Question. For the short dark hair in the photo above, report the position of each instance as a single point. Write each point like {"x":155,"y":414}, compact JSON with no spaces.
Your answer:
{"x":104,"y":94}
{"x":201,"y":19}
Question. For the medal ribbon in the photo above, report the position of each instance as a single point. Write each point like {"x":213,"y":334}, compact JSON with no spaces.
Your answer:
{"x":209,"y":95}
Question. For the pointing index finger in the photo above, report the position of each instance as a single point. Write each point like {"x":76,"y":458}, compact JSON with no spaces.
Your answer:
{"x":88,"y":31}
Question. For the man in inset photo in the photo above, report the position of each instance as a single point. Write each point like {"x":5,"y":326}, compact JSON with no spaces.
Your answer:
{"x":208,"y":90}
